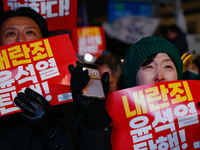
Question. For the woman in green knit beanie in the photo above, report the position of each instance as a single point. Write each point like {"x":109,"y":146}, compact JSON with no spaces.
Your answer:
{"x":150,"y":60}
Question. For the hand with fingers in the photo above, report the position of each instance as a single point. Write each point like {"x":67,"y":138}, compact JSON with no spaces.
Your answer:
{"x":39,"y":112}
{"x":94,"y":110}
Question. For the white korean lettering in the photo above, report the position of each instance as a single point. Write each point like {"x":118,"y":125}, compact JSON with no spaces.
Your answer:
{"x":170,"y":126}
{"x":143,"y":120}
{"x":188,"y":120}
{"x":141,"y":134}
{"x":139,"y":146}
{"x":5,"y":75}
{"x":46,"y":8}
{"x":64,"y":7}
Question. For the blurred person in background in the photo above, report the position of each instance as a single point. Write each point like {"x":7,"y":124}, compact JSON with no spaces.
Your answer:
{"x":192,"y":73}
{"x":113,"y":65}
{"x":174,"y":34}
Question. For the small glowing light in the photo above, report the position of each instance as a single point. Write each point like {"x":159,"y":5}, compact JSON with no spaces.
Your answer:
{"x":88,"y":57}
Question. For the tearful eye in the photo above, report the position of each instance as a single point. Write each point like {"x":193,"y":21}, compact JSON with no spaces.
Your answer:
{"x":148,"y":67}
{"x":10,"y":34}
{"x":168,"y":66}
{"x":30,"y":32}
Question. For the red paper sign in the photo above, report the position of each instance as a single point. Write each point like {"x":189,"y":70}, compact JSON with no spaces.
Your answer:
{"x":41,"y":65}
{"x":157,"y":116}
{"x":59,"y":14}
{"x":88,"y":40}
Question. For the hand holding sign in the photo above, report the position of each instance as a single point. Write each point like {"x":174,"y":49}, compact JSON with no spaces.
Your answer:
{"x":39,"y":112}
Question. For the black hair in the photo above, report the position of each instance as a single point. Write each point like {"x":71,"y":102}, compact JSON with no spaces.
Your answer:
{"x":152,"y":57}
{"x":27,"y":12}
{"x":113,"y":62}
{"x":174,"y":28}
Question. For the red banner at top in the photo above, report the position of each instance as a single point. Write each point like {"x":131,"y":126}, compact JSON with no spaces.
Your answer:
{"x":159,"y":116}
{"x":59,"y":14}
{"x":41,"y":65}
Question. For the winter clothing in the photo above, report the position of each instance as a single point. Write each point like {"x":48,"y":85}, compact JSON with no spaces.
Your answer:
{"x":145,"y":47}
{"x":18,"y":134}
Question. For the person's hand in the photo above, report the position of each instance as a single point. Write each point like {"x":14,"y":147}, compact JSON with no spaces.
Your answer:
{"x":94,"y":110}
{"x":39,"y":112}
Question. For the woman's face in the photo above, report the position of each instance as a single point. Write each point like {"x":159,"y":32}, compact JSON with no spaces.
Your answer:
{"x":160,"y":69}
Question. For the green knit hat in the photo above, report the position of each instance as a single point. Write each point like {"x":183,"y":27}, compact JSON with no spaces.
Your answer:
{"x":145,"y":47}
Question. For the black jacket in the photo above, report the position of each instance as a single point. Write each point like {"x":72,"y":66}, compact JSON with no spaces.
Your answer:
{"x":181,"y":43}
{"x":17,"y":134}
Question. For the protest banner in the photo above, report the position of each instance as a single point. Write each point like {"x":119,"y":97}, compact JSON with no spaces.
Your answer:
{"x":41,"y":65}
{"x":130,"y":29}
{"x":59,"y":14}
{"x":88,"y":40}
{"x":158,"y":116}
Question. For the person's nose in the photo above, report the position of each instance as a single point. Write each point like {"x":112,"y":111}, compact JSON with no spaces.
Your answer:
{"x":159,"y":77}
{"x":20,"y":38}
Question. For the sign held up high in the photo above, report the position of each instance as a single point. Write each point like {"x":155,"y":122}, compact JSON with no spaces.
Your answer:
{"x":60,"y":14}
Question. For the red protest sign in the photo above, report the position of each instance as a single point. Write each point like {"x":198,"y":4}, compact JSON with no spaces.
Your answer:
{"x":88,"y":40}
{"x":41,"y":65}
{"x":156,"y":116}
{"x":59,"y":14}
